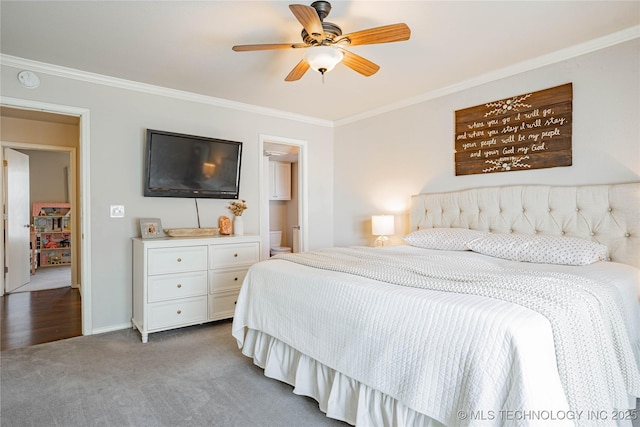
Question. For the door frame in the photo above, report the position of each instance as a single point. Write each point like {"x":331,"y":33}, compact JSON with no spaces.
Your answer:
{"x":71,"y":151}
{"x":81,"y":222}
{"x":303,"y":213}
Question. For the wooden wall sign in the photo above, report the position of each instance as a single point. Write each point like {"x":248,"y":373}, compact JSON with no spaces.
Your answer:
{"x":530,"y":131}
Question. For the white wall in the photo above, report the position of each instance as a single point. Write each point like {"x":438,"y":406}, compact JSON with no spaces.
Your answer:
{"x":119,"y":118}
{"x":383,"y":160}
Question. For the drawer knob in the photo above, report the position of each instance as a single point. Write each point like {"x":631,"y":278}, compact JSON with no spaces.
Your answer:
{"x":179,"y":311}
{"x":179,"y":285}
{"x":235,"y":278}
{"x":235,"y":255}
{"x":179,"y":259}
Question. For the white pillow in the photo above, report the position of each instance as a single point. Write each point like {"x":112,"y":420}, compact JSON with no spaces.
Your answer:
{"x":444,"y":239}
{"x":545,"y":249}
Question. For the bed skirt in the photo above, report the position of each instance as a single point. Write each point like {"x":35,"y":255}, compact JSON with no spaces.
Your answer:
{"x":338,"y":396}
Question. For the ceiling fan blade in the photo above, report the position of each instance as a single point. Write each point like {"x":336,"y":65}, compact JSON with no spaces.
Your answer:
{"x":309,"y":19}
{"x":252,"y":47}
{"x":359,"y":64}
{"x":298,"y":71}
{"x":385,"y":34}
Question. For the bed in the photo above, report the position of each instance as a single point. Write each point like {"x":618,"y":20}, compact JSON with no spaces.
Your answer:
{"x":539,"y":323}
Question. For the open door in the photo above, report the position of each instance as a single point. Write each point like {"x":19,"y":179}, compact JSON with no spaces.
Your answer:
{"x":288,"y":150}
{"x":17,"y":251}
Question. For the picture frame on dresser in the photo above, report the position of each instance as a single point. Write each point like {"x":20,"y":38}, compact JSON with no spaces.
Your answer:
{"x":151,"y":228}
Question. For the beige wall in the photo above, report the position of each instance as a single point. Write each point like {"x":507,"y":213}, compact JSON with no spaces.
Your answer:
{"x":381,"y":161}
{"x":48,"y":174}
{"x":292,"y":207}
{"x":364,"y":168}
{"x":38,"y":132}
{"x":43,"y":129}
{"x":118,"y":121}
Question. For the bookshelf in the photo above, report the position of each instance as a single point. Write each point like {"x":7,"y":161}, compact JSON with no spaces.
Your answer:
{"x":51,"y":239}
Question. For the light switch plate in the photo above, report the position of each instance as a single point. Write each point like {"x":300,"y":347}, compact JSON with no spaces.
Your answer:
{"x":117,"y":211}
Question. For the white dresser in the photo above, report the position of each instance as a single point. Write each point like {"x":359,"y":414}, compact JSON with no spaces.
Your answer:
{"x":186,"y":281}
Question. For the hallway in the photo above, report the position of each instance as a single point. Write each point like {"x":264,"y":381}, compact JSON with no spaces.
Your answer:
{"x":29,"y":318}
{"x":47,"y":278}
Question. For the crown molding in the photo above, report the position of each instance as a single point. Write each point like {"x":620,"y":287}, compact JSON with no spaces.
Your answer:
{"x":85,"y":76}
{"x":521,"y":67}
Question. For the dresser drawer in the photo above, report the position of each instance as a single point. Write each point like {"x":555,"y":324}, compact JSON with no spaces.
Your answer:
{"x":222,"y":305}
{"x":232,"y":255}
{"x":228,"y":279}
{"x":175,"y":260}
{"x":177,"y":285}
{"x":175,"y":313}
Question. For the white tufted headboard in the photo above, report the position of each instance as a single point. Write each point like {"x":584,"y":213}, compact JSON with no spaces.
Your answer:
{"x":608,"y":214}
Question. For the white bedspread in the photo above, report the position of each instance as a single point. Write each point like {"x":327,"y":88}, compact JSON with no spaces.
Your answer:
{"x":436,"y":352}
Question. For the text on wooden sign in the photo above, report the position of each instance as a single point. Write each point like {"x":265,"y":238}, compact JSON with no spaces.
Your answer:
{"x":530,"y":131}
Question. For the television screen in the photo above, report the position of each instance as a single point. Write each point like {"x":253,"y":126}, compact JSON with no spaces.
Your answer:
{"x":179,"y":165}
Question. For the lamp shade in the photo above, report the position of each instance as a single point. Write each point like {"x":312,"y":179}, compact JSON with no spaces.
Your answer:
{"x":323,"y":58}
{"x":382,"y":225}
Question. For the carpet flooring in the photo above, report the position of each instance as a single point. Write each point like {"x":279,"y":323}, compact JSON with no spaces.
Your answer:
{"x":192,"y":376}
{"x":47,"y":278}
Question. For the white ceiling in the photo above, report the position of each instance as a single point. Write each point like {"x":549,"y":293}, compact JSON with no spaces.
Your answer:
{"x":186,"y":45}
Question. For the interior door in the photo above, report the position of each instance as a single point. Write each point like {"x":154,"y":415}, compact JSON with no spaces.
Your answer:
{"x":17,"y":251}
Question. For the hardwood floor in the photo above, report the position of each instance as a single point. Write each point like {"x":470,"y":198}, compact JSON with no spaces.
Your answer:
{"x":29,"y":318}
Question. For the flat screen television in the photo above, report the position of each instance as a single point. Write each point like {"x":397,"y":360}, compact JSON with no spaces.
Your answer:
{"x":178,"y":165}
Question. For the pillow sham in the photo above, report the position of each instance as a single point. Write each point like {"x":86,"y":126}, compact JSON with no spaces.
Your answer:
{"x":544,"y":249}
{"x":444,"y":239}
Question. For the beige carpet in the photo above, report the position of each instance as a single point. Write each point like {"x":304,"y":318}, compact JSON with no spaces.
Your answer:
{"x":193,"y":376}
{"x":48,"y":278}
{"x":186,"y":377}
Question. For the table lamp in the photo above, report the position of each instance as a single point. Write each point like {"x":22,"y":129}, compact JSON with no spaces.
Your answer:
{"x":382,"y":226}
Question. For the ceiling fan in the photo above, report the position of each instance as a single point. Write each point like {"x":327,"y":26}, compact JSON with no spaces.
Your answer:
{"x":326,"y":43}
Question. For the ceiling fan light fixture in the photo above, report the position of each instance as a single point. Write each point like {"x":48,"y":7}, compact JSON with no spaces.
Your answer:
{"x":324,"y":42}
{"x":323,"y":58}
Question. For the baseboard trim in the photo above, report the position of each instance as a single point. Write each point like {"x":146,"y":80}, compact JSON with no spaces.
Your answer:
{"x":112,"y":328}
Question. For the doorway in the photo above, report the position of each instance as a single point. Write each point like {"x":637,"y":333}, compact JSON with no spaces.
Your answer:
{"x":43,"y":119}
{"x":49,"y":263}
{"x":42,"y":303}
{"x":288,"y":216}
